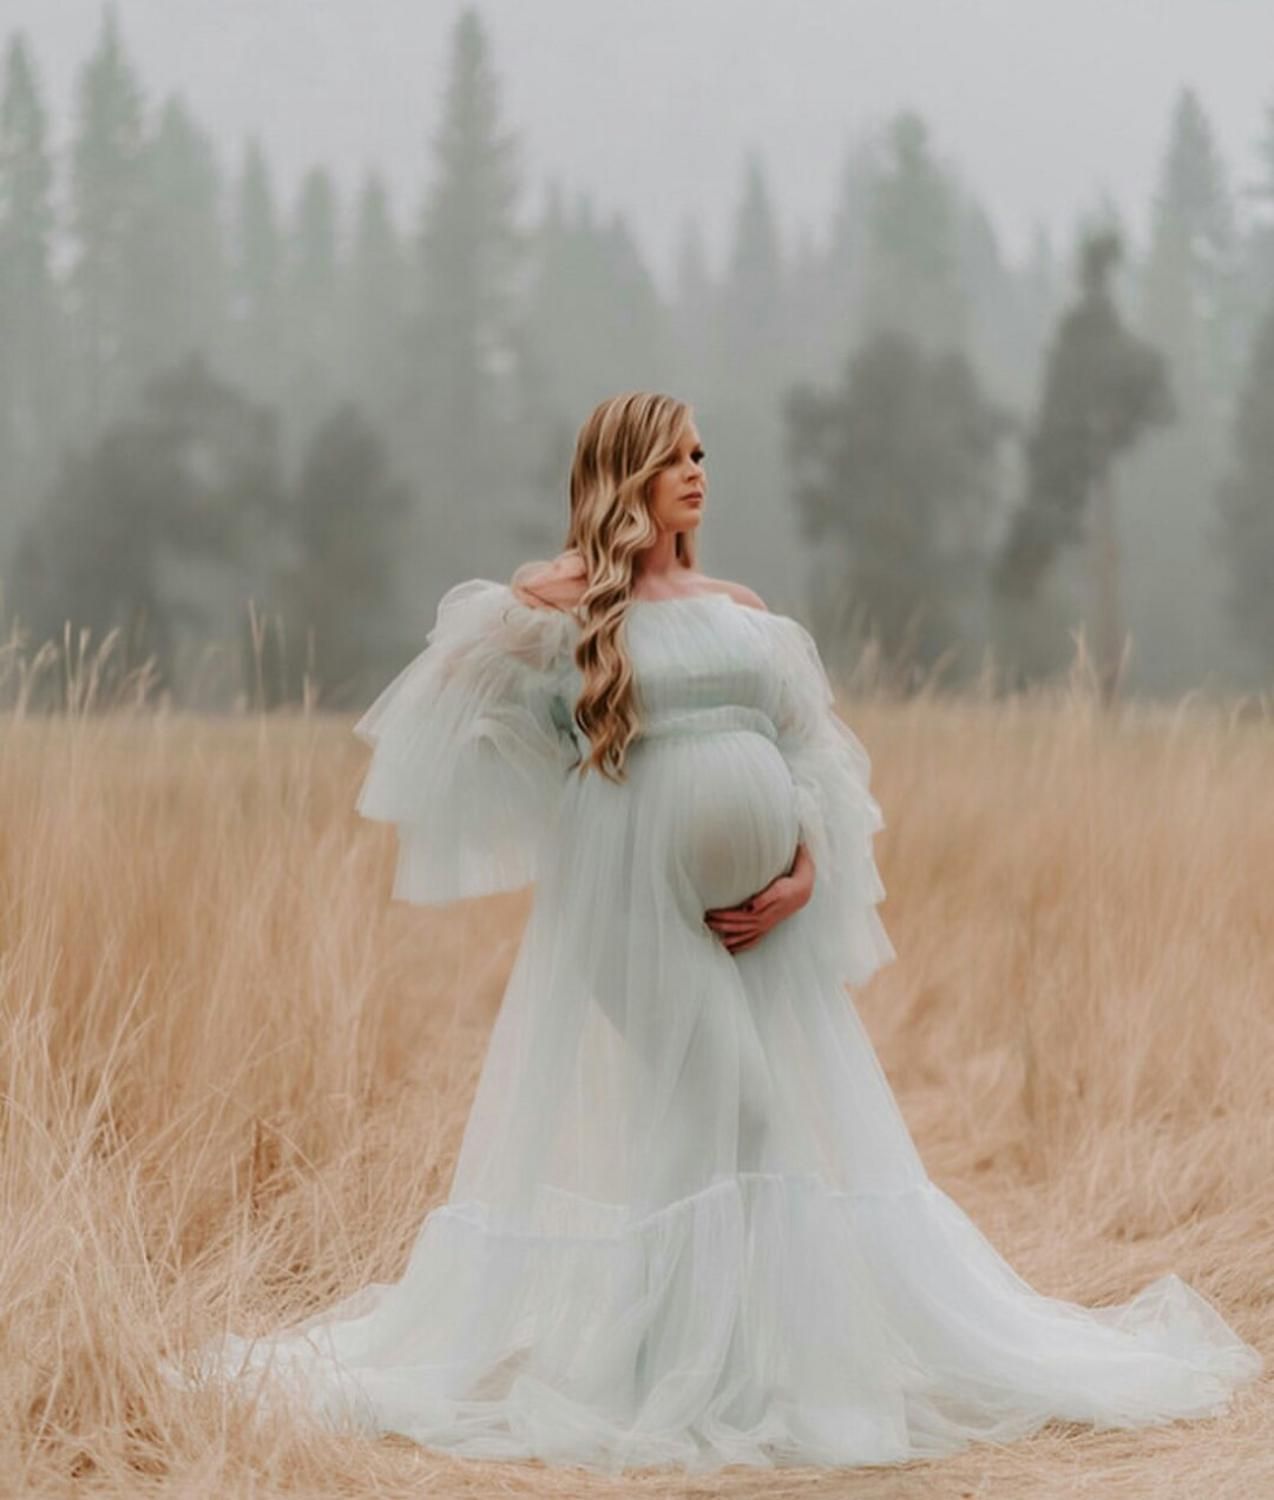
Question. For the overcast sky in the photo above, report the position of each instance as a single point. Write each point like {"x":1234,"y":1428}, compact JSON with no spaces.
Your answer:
{"x":1044,"y":104}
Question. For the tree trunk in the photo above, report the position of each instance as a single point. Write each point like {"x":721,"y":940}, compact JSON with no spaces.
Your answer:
{"x":1108,"y":624}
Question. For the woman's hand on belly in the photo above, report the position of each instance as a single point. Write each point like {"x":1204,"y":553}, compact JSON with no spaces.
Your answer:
{"x":741,"y":926}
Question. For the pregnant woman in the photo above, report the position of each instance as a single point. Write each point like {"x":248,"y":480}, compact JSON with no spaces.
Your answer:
{"x":687,"y":1225}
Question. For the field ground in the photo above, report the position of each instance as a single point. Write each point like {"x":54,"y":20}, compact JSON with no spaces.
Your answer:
{"x":235,"y":1075}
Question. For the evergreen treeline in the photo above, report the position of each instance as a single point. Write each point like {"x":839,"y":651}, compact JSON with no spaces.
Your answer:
{"x":215,"y":390}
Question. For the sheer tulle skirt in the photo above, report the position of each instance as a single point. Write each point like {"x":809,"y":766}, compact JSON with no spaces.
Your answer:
{"x":688,"y":1224}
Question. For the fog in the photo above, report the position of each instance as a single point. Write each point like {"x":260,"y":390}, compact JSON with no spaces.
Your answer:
{"x":650,"y":104}
{"x":738,"y":202}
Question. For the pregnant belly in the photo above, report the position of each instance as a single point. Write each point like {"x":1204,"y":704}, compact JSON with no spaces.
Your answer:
{"x":732,"y":813}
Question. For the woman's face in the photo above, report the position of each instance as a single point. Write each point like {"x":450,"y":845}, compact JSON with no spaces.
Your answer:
{"x":678,"y":492}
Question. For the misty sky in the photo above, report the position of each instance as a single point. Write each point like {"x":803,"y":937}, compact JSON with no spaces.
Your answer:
{"x":1043,"y":104}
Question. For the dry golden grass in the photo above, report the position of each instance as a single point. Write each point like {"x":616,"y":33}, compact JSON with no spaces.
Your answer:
{"x":235,"y":1075}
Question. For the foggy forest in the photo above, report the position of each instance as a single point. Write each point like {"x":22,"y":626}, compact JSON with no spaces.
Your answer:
{"x":256,"y":428}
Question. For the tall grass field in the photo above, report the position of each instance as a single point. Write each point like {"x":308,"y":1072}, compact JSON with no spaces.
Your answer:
{"x":235,"y":1074}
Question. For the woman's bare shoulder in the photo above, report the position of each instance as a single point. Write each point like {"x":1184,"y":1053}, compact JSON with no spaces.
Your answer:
{"x":553,"y":584}
{"x":740,"y":593}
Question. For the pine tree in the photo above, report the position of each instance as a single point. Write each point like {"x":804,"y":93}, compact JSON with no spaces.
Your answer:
{"x":693,"y":285}
{"x":176,"y":302}
{"x":1104,"y":388}
{"x":1260,"y":249}
{"x":1190,"y":308}
{"x":753,"y":345}
{"x":913,"y":275}
{"x":557,"y":368}
{"x":637,"y":313}
{"x":593,"y":318}
{"x":313,"y":302}
{"x":1245,"y":499}
{"x":1001,"y":339}
{"x":346,"y":526}
{"x":754,"y":332}
{"x":30,"y":326}
{"x":377,"y":296}
{"x":106,"y":170}
{"x":692,"y":314}
{"x":593,"y":325}
{"x":1189,"y":294}
{"x":896,"y":493}
{"x":257,"y":281}
{"x":463,"y":345}
{"x":161,"y":526}
{"x":844,"y":300}
{"x":550,"y":329}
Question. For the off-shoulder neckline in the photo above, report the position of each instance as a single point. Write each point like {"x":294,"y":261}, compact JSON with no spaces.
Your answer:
{"x":692,"y":598}
{"x":633,"y":603}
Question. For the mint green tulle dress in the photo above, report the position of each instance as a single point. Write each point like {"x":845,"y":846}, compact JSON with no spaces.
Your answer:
{"x":688,"y":1225}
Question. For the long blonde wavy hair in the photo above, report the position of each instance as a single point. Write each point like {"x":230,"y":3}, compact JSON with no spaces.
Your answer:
{"x":624,"y":443}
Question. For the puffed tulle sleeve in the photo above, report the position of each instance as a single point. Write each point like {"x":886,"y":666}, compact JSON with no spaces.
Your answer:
{"x":471,"y":746}
{"x":837,"y":813}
